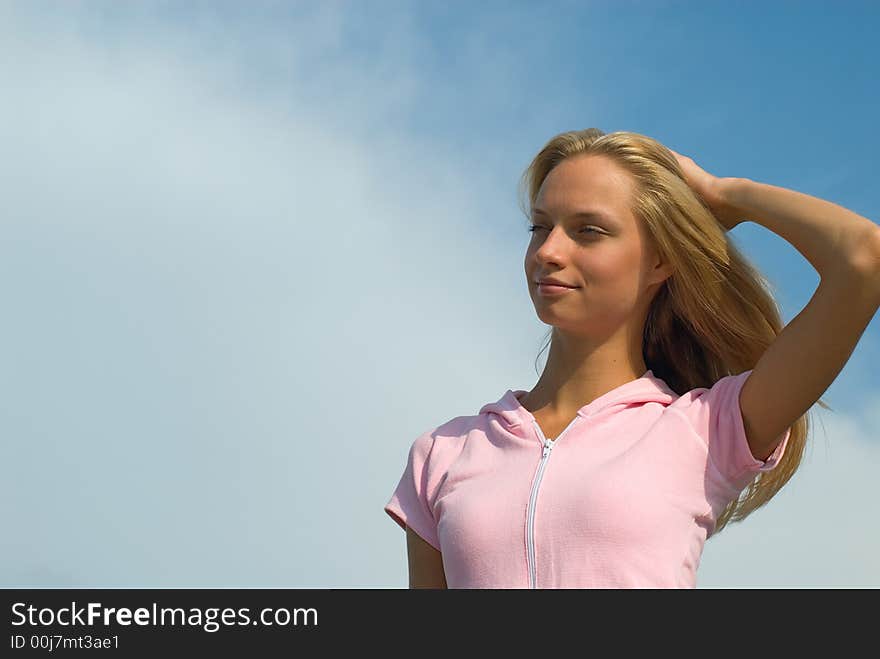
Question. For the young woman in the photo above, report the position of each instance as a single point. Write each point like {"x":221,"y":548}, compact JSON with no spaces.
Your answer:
{"x":673,"y":400}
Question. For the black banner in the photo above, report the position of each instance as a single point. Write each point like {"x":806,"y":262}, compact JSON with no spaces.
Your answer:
{"x":129,"y":622}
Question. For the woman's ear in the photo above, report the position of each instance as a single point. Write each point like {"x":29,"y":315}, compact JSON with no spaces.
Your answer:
{"x":664,"y":271}
{"x":660,"y":269}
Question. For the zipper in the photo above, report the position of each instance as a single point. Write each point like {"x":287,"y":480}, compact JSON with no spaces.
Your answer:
{"x":548,"y":445}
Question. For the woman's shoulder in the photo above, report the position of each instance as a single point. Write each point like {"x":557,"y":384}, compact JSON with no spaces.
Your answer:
{"x":448,"y":433}
{"x":451,"y":435}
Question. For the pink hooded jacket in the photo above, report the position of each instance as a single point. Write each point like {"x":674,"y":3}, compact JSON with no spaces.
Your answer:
{"x":624,"y":497}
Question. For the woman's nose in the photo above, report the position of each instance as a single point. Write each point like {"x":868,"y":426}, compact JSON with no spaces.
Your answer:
{"x":552,"y":245}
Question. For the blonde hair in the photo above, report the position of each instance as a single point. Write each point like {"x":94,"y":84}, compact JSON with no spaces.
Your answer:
{"x":715,"y":315}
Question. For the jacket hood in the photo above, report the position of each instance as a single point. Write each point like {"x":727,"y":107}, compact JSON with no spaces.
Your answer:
{"x":515,"y":418}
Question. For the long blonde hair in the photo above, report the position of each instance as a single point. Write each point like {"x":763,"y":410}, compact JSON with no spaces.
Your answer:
{"x":715,"y":316}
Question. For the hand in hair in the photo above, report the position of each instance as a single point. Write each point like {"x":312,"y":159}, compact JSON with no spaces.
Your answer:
{"x":710,"y":188}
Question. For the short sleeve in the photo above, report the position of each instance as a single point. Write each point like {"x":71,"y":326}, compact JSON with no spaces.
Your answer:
{"x":716,"y":416}
{"x":412,"y":502}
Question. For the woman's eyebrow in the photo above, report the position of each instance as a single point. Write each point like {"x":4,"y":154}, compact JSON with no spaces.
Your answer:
{"x":579,"y":215}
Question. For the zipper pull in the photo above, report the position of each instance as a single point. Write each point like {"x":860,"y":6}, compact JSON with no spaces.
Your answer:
{"x":548,"y":446}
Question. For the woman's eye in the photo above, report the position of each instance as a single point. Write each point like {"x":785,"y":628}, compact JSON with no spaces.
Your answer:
{"x":535,"y":227}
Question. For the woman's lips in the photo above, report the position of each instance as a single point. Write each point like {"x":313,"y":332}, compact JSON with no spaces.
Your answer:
{"x":553,"y":289}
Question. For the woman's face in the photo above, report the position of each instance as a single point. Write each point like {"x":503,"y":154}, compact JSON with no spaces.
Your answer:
{"x":607,"y":258}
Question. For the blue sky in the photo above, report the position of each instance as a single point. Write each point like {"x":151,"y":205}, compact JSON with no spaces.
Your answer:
{"x":251,"y":251}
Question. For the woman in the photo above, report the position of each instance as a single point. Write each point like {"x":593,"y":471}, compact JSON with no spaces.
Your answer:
{"x":672,"y":401}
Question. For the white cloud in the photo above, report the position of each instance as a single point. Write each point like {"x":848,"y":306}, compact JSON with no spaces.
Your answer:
{"x":217,"y":300}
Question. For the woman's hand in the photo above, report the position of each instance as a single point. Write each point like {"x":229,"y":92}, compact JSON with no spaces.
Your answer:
{"x":710,"y":188}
